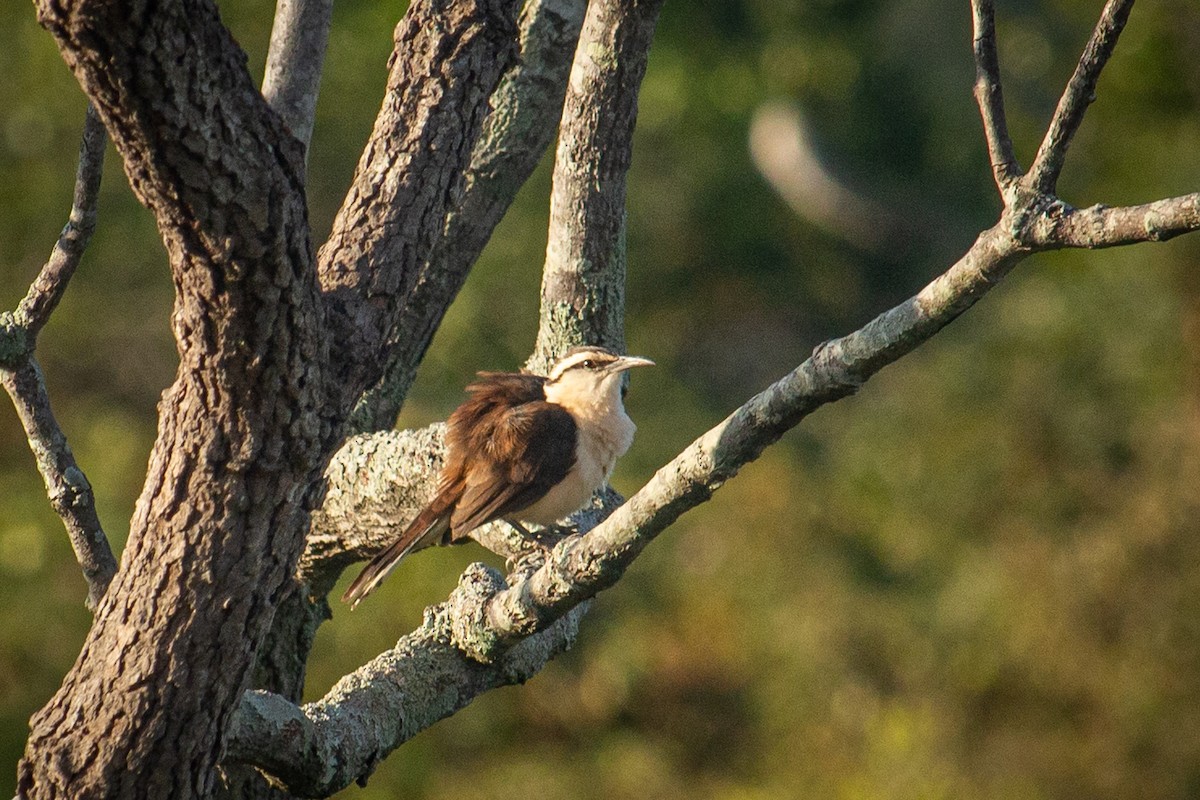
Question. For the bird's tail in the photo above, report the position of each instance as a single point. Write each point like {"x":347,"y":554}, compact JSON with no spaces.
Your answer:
{"x":428,"y":527}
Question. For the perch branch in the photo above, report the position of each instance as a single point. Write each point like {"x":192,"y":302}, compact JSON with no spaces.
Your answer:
{"x":1080,"y":92}
{"x":990,"y":97}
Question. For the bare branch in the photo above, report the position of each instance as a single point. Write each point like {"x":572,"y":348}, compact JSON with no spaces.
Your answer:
{"x":1079,"y":94}
{"x":583,"y":283}
{"x":448,"y":58}
{"x":322,"y":747}
{"x":69,"y":491}
{"x":581,"y":567}
{"x":990,"y":98}
{"x":525,"y":109}
{"x":1100,"y":226}
{"x":68,"y":488}
{"x":47,"y":289}
{"x":294,"y":63}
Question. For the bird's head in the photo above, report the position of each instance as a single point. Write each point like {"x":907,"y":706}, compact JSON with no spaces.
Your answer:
{"x":589,"y":375}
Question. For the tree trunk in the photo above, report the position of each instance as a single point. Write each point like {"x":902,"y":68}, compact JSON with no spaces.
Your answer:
{"x":221,"y":520}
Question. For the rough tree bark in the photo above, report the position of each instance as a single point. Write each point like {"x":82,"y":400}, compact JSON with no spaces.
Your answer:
{"x":258,"y":405}
{"x":247,"y":515}
{"x":241,"y":431}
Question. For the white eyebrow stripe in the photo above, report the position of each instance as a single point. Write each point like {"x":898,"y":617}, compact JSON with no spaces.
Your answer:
{"x":576,"y":360}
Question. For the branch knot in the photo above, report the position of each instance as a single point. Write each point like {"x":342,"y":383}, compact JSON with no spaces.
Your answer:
{"x":467,"y":610}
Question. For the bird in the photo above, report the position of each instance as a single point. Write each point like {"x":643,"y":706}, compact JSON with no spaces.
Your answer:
{"x":522,"y":448}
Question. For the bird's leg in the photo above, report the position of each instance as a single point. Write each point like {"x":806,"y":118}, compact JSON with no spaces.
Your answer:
{"x":536,"y":543}
{"x":544,"y":537}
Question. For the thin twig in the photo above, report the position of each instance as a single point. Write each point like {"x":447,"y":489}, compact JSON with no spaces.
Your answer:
{"x":990,"y":97}
{"x":48,"y":288}
{"x":69,"y":491}
{"x":1079,"y":94}
{"x":68,"y":488}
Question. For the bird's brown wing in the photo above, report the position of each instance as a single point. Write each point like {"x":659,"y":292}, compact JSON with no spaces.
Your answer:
{"x":506,"y":413}
{"x":528,"y":449}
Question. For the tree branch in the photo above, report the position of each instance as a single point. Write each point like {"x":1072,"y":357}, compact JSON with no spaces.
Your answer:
{"x":1079,"y":94}
{"x":68,"y":488}
{"x":1100,"y":226}
{"x":581,"y":567}
{"x":525,"y":107}
{"x":583,"y":282}
{"x":322,"y":747}
{"x":990,"y":98}
{"x":294,"y":63}
{"x":376,"y":483}
{"x":448,"y":58}
{"x":47,"y":289}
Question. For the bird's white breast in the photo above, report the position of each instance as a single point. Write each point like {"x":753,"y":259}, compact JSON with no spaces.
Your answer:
{"x":602,"y":437}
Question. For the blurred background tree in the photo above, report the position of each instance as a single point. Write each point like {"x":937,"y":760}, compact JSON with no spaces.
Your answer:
{"x":980,"y":578}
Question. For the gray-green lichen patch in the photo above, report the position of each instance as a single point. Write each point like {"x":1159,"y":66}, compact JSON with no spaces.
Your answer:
{"x":14,"y":341}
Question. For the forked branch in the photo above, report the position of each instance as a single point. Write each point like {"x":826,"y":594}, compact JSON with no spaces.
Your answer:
{"x":67,"y":487}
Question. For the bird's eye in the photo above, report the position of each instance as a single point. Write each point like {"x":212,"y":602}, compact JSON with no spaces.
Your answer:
{"x":589,"y":364}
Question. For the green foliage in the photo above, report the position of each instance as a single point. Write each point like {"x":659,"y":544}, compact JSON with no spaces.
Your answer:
{"x":978,"y":578}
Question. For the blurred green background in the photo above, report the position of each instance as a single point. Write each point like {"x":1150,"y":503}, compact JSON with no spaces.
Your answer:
{"x":980,"y":578}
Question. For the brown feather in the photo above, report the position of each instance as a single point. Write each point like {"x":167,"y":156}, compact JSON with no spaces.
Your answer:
{"x":429,"y":525}
{"x":505,"y":448}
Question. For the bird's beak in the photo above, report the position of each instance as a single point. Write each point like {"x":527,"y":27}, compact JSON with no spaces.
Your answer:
{"x":628,"y":362}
